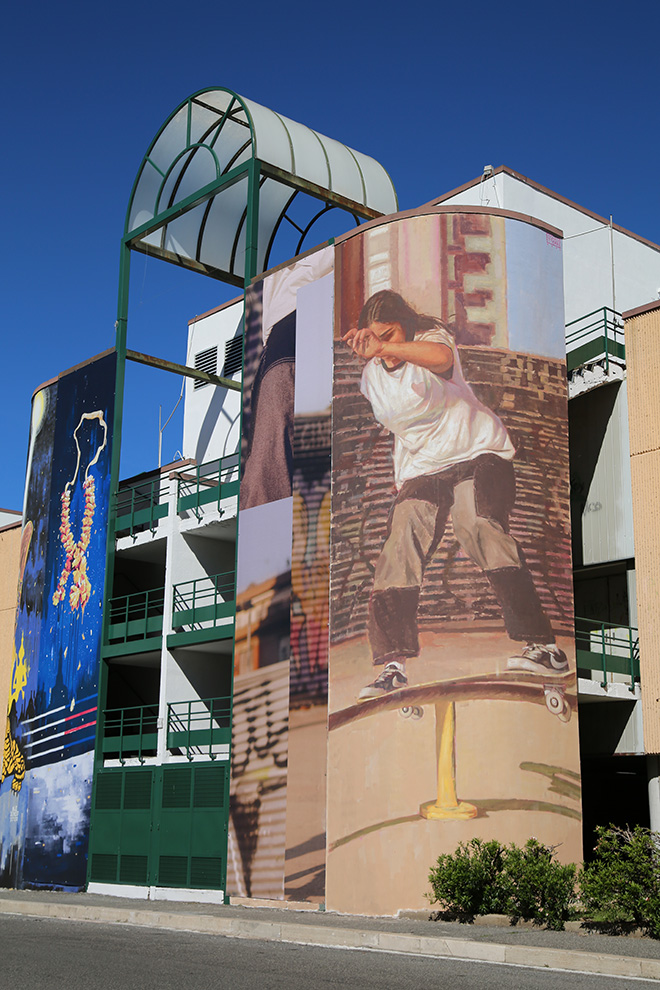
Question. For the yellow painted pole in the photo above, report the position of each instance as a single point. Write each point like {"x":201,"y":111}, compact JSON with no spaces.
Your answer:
{"x":446,"y":807}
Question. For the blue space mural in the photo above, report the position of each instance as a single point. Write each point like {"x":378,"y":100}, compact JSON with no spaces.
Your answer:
{"x":47,"y":767}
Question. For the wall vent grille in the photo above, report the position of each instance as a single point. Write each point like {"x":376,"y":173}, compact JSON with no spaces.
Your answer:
{"x":104,"y":867}
{"x":176,"y":787}
{"x":137,"y":790}
{"x":133,"y":869}
{"x":108,"y":791}
{"x":206,"y":361}
{"x":206,"y":872}
{"x":209,"y":791}
{"x":233,"y":357}
{"x":173,"y":871}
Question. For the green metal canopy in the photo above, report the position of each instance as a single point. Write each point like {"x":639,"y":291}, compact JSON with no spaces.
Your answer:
{"x":221,"y":176}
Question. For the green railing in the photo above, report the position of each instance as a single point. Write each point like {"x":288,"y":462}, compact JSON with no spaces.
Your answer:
{"x":593,"y":337}
{"x":607,"y":648}
{"x":136,"y":617}
{"x":199,"y":727}
{"x":207,"y":484}
{"x":139,"y":506}
{"x":205,"y":600}
{"x":130,"y":732}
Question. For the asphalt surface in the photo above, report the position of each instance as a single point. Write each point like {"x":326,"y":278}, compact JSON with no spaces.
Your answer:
{"x":47,"y":954}
{"x":413,"y":936}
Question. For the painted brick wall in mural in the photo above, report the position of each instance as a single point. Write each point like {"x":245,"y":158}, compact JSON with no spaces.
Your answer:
{"x":452,"y":669}
{"x":277,"y":825}
{"x":51,"y":721}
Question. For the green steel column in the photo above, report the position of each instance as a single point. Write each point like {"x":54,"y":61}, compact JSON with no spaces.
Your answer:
{"x":120,"y":346}
{"x":252,"y":221}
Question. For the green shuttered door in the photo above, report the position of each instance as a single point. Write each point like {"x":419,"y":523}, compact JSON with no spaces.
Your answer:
{"x":161,"y":826}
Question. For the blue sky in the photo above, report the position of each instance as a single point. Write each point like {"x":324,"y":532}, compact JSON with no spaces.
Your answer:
{"x":564,"y":93}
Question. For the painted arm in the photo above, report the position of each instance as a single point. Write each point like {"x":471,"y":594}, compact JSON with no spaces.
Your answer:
{"x":429,"y":354}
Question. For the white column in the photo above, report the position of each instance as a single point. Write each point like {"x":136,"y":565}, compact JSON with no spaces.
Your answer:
{"x":653,"y":778}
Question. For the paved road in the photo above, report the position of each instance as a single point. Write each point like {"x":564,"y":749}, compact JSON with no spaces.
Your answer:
{"x":45,"y":954}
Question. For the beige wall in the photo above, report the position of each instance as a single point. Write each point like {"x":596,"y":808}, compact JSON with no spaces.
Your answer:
{"x":643,"y":364}
{"x":10,"y":543}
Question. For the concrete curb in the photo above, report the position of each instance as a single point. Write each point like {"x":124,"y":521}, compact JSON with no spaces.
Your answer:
{"x":534,"y":957}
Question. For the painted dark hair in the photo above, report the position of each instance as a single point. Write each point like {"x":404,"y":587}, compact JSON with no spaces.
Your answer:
{"x":387,"y":306}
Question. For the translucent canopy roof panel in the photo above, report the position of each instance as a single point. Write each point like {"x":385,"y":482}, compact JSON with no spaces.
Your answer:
{"x":192,"y":199}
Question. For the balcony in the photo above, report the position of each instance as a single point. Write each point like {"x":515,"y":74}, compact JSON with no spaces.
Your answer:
{"x":130,"y":733}
{"x":607,"y":652}
{"x":203,"y":610}
{"x":207,"y":485}
{"x":196,"y":729}
{"x":199,"y":728}
{"x":595,"y":338}
{"x":135,"y":623}
{"x":138,"y":507}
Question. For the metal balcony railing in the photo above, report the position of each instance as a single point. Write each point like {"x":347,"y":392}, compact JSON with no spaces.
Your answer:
{"x":208,"y":484}
{"x":607,"y":648}
{"x":139,"y":506}
{"x":136,"y":617}
{"x":594,"y":337}
{"x":204,"y":601}
{"x":200,"y":727}
{"x":130,"y":732}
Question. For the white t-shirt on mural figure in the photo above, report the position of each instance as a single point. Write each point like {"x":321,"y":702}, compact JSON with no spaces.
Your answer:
{"x":436,"y":422}
{"x":281,"y":288}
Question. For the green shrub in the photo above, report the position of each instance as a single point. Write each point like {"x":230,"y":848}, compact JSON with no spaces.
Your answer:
{"x":489,"y":878}
{"x":540,"y":889}
{"x":470,"y":881}
{"x":622,"y":883}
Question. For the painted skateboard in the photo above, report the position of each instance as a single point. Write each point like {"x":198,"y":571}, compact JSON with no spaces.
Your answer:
{"x":551,"y":690}
{"x":510,"y":685}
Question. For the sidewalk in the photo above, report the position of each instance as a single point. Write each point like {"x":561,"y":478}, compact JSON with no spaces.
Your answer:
{"x":413,"y":933}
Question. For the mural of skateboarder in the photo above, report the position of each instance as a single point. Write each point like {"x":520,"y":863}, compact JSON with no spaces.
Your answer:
{"x":452,"y":457}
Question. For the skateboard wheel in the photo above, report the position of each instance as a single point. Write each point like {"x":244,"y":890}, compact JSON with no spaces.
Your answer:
{"x":417,"y":712}
{"x":554,"y":701}
{"x":565,"y":714}
{"x":406,"y":711}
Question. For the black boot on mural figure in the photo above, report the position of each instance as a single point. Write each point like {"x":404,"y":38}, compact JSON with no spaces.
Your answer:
{"x":526,"y":622}
{"x":393,"y":624}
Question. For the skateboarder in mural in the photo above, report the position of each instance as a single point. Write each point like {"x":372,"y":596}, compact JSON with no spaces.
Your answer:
{"x":452,"y":457}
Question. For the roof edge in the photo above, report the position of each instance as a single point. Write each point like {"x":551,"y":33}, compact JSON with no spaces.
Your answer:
{"x":11,"y":525}
{"x":548,"y":192}
{"x":217,"y":309}
{"x":76,"y":367}
{"x":430,"y":209}
{"x":640,"y":310}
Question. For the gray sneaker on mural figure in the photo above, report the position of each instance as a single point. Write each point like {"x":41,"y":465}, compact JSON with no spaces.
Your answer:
{"x":391,"y":678}
{"x":540,"y":658}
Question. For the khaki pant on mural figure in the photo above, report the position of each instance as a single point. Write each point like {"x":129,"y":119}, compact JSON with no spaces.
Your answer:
{"x":478,"y":495}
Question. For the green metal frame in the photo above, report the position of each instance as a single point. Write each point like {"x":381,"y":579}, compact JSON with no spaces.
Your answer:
{"x":208,"y":484}
{"x":595,"y":336}
{"x":205,"y":599}
{"x":134,"y":623}
{"x":608,"y":638}
{"x":254,"y":171}
{"x":130,"y":732}
{"x":196,"y":727}
{"x":135,"y":509}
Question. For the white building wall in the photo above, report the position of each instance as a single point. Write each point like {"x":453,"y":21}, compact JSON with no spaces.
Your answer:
{"x":211,"y":419}
{"x":607,"y":525}
{"x":588,"y":257}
